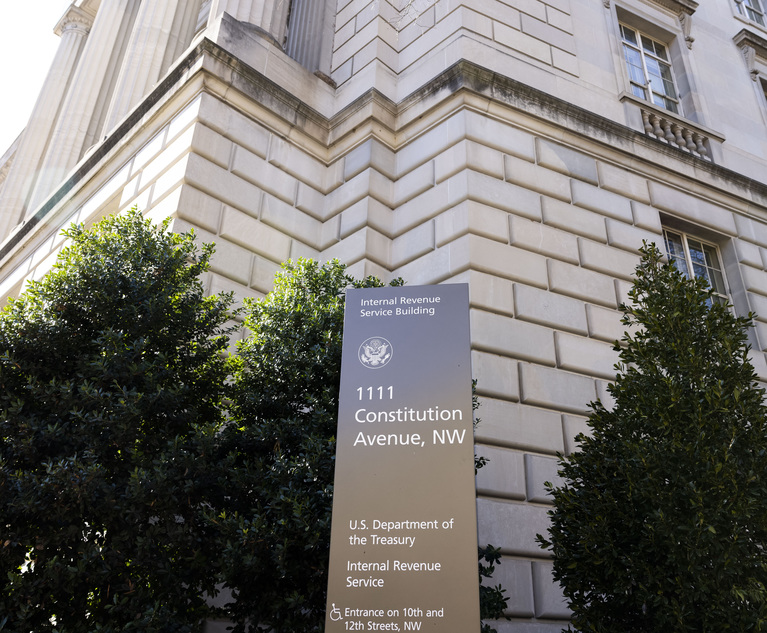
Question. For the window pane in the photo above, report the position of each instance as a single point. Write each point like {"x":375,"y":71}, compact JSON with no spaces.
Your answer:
{"x":675,"y":252}
{"x":664,"y":102}
{"x":752,"y":9}
{"x":628,"y":34}
{"x":712,"y":261}
{"x":696,"y":252}
{"x":755,"y":15}
{"x":648,"y":67}
{"x":654,"y":72}
{"x":668,"y":89}
{"x":703,"y":258}
{"x":648,"y":44}
{"x":701,"y":272}
{"x":660,"y":77}
{"x":660,"y":100}
{"x":653,"y":67}
{"x":718,"y":281}
{"x":674,"y":246}
{"x":660,"y":51}
{"x":671,"y":106}
{"x":634,"y":65}
{"x":668,"y":81}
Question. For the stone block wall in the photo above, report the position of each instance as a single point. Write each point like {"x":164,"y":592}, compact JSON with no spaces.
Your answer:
{"x":400,"y":37}
{"x":446,"y":172}
{"x":543,"y":225}
{"x":572,"y":49}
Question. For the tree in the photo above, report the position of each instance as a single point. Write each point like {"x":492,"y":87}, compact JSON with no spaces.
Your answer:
{"x":492,"y":601}
{"x":660,"y":523}
{"x":279,"y":449}
{"x":279,"y":454}
{"x":113,"y":372}
{"x":142,"y":468}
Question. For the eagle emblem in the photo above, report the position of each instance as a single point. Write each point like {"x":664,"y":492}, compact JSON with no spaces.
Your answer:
{"x":375,"y":352}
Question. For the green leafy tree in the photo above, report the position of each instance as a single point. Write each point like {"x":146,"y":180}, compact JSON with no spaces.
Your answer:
{"x":112,"y":375}
{"x":279,"y":449}
{"x":279,"y":453}
{"x":492,"y":599}
{"x":661,"y":522}
{"x":141,"y":468}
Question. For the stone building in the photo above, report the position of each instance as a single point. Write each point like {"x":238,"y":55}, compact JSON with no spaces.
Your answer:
{"x":526,"y":147}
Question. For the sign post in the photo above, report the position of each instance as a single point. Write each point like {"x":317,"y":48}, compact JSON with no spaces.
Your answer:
{"x":404,"y":534}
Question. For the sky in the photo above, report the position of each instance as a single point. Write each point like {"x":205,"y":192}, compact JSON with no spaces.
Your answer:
{"x":27,"y":48}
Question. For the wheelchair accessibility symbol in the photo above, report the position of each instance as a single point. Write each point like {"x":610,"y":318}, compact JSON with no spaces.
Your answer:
{"x":335,"y":613}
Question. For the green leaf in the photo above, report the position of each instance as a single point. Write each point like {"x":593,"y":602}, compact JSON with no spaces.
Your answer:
{"x":659,"y":522}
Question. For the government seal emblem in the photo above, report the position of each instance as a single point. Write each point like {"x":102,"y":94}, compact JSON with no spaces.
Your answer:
{"x":375,"y":352}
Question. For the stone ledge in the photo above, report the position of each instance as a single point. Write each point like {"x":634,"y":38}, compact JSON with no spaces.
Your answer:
{"x":674,"y":130}
{"x":744,"y":37}
{"x":678,"y":6}
{"x":463,"y":77}
{"x":686,"y":7}
{"x":752,"y":46}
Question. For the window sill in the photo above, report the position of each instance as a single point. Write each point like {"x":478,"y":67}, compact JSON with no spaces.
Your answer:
{"x":674,"y":130}
{"x":750,"y":23}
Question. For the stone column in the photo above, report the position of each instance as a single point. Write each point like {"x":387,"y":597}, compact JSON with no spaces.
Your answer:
{"x":270,"y":15}
{"x":274,"y":18}
{"x":306,"y":32}
{"x":73,"y":29}
{"x":162,"y":30}
{"x":82,"y":112}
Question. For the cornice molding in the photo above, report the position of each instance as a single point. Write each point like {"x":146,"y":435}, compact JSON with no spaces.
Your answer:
{"x":462,"y":77}
{"x":688,"y":7}
{"x":752,"y":46}
{"x":683,"y":10}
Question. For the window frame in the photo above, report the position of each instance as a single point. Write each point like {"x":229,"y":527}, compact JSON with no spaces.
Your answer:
{"x":721,"y":289}
{"x":650,"y":88}
{"x":752,"y":10}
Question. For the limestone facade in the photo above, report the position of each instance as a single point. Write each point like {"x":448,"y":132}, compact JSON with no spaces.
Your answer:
{"x":503,"y":143}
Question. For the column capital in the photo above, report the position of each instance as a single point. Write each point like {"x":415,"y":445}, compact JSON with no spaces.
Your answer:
{"x":75,"y":19}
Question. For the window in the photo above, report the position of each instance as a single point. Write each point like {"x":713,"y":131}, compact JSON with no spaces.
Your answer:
{"x":649,"y":68}
{"x":752,"y":9}
{"x":696,"y":259}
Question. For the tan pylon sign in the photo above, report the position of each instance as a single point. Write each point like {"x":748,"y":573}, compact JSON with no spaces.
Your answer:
{"x":403,"y":551}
